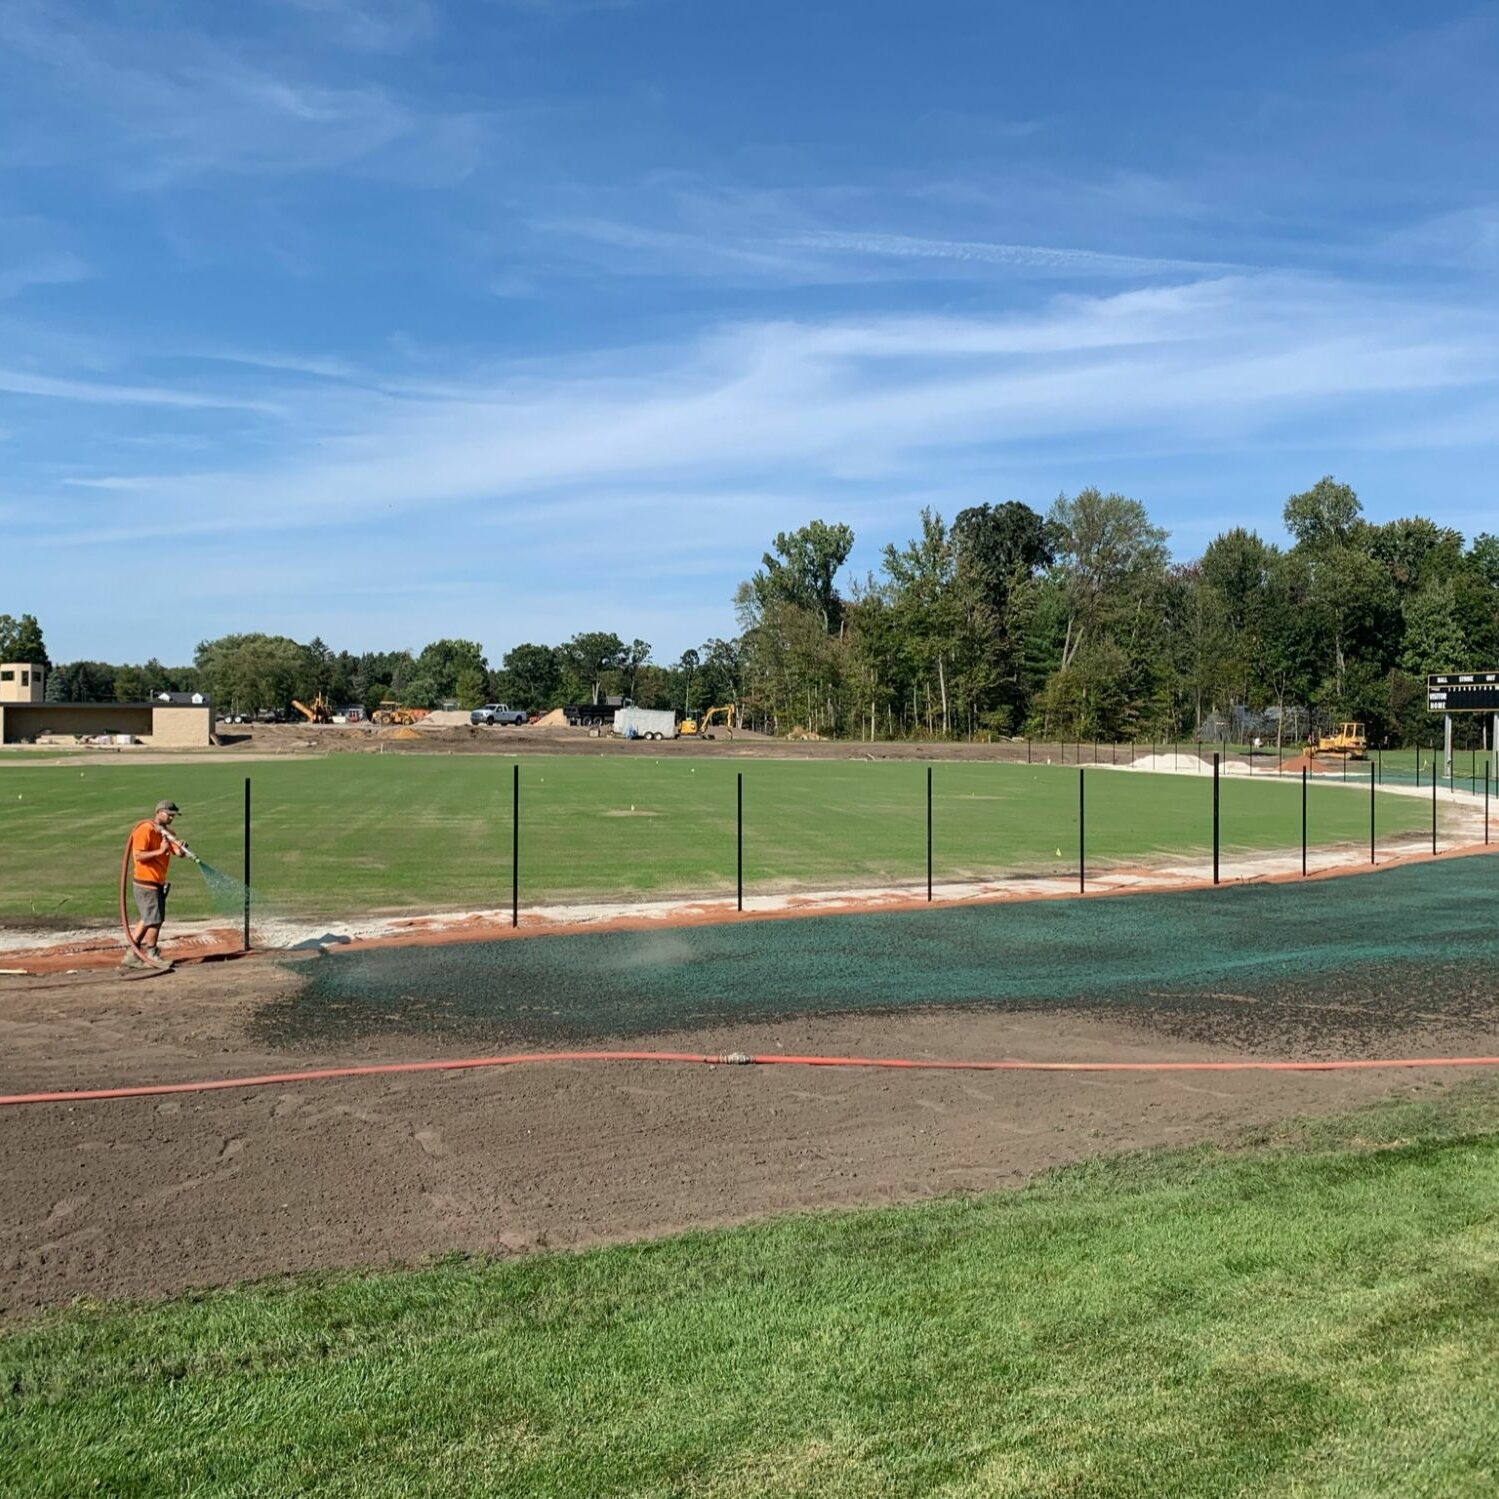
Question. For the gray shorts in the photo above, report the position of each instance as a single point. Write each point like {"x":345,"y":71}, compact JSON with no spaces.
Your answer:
{"x":151,"y":902}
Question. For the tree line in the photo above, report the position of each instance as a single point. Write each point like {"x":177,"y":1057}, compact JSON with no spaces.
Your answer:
{"x":253,"y":673}
{"x":1077,"y":625}
{"x":1073,"y":624}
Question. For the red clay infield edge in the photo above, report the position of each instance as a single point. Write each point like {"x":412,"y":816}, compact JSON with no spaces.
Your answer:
{"x":220,"y":944}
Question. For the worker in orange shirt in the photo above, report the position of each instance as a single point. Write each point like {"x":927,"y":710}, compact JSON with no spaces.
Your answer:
{"x":152,"y":848}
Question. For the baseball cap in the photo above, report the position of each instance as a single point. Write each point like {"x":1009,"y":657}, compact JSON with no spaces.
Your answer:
{"x":167,"y":807}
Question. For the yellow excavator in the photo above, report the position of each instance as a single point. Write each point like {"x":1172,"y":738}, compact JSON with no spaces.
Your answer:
{"x":319,"y":710}
{"x":701,"y":727}
{"x":1350,"y":740}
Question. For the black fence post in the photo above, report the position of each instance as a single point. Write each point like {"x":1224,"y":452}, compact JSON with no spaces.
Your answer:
{"x":1433,"y":803}
{"x":1371,"y":814}
{"x":515,"y":845}
{"x":739,"y":825}
{"x":929,"y":832}
{"x":1485,"y":805}
{"x":1215,"y":816}
{"x":1027,"y":752}
{"x":247,"y":865}
{"x":1082,"y":838}
{"x":1303,"y":822}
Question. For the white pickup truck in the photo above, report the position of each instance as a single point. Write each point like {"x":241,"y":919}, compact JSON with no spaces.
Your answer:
{"x":497,"y":713}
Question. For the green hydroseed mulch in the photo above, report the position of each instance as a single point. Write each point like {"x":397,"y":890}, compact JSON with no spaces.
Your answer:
{"x":1313,"y":1314}
{"x":360,"y":833}
{"x":1339,"y":962}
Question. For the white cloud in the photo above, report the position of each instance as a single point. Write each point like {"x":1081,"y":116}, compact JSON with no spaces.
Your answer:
{"x":1056,"y":260}
{"x":54,"y":269}
{"x":157,"y":106}
{"x":808,"y":406}
{"x":25,"y":383}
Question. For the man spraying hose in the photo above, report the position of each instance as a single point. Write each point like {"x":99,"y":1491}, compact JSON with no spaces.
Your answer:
{"x":152,"y":848}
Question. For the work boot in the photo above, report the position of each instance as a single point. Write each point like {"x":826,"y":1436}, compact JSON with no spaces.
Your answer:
{"x":132,"y":960}
{"x":156,"y":957}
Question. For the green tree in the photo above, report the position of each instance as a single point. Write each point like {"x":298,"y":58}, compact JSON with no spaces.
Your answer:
{"x":801,"y":571}
{"x":471,"y":686}
{"x":1325,"y":515}
{"x":21,"y":640}
{"x":439,"y":666}
{"x":248,"y":673}
{"x":529,"y":677}
{"x":591,"y":663}
{"x":1433,"y":639}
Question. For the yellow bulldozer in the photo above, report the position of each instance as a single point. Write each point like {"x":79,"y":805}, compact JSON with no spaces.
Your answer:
{"x":702,"y":727}
{"x":1349,"y":740}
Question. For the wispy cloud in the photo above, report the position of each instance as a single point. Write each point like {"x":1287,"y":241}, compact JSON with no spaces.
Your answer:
{"x":1053,"y":259}
{"x":55,"y":269}
{"x":756,"y":404}
{"x":370,"y":25}
{"x":51,"y":387}
{"x":162,"y":106}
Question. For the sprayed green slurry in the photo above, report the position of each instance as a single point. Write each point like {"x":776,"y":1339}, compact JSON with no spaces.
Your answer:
{"x":358,"y":833}
{"x":1288,"y":941}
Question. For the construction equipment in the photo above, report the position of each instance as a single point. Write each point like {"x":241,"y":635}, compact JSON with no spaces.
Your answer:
{"x":692,"y":727}
{"x":1350,"y":740}
{"x":319,"y":710}
{"x":391,"y":712}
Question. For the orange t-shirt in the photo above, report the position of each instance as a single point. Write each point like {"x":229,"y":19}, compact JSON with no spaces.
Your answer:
{"x":152,"y":854}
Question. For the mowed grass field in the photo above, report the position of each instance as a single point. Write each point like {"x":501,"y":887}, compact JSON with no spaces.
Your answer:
{"x":1315,"y":1312}
{"x":349,"y":834}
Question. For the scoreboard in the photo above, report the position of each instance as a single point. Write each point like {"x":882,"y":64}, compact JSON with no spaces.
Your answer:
{"x":1463,"y":692}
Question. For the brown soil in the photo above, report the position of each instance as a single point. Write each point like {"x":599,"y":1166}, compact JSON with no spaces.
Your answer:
{"x":152,"y":1196}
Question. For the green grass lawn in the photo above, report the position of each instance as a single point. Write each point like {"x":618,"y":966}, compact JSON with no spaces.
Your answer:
{"x":1314,"y":1313}
{"x":355,"y":833}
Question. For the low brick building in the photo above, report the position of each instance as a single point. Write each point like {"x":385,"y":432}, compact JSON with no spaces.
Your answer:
{"x":173,"y":721}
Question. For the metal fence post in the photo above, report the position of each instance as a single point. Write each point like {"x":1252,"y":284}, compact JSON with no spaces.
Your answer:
{"x":1433,"y":802}
{"x":739,"y":823}
{"x":1371,"y":814}
{"x":1303,"y":822}
{"x":515,"y":845}
{"x":929,"y":832}
{"x":1215,"y":816}
{"x":1485,"y":805}
{"x":1082,"y":839}
{"x":247,"y":865}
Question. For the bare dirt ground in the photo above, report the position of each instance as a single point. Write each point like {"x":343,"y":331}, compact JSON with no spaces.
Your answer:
{"x":259,"y":742}
{"x":154,"y":1196}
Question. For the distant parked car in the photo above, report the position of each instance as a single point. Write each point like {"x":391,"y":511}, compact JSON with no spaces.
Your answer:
{"x":497,"y":713}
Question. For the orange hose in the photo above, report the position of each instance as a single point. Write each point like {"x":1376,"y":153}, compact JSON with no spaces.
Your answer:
{"x":154,"y":1090}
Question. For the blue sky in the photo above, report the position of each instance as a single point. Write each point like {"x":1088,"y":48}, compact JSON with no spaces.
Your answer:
{"x":391,"y":319}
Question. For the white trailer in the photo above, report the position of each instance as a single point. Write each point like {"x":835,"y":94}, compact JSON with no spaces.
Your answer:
{"x":646,"y":723}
